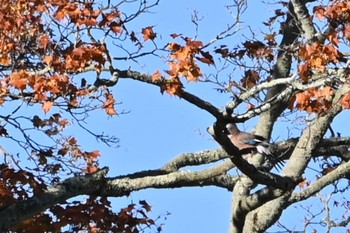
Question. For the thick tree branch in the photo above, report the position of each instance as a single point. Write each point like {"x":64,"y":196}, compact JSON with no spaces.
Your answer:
{"x":97,"y":184}
{"x":291,"y":33}
{"x":260,"y":197}
{"x":327,"y":147}
{"x":303,"y":17}
{"x":299,"y":159}
{"x":192,"y":159}
{"x":117,"y":185}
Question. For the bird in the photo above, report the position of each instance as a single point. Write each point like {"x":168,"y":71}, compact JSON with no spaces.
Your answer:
{"x":249,"y":143}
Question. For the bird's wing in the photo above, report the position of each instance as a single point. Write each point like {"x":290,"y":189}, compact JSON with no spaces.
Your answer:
{"x":247,"y":138}
{"x":275,"y":159}
{"x":253,"y":140}
{"x":244,"y":140}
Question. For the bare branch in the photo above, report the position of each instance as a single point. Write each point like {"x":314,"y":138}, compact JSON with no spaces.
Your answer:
{"x":191,"y":159}
{"x":340,"y":172}
{"x":200,"y":103}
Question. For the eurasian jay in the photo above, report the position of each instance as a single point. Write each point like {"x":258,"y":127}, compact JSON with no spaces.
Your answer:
{"x":249,"y":143}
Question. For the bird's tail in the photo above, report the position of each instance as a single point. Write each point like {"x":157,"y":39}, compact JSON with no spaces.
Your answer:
{"x":264,"y":149}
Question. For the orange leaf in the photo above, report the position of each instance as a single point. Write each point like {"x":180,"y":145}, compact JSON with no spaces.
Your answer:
{"x":90,"y":169}
{"x":72,"y":141}
{"x":319,"y":11}
{"x":148,"y":33}
{"x":48,"y":60}
{"x":19,"y":80}
{"x":345,"y":101}
{"x":174,"y":47}
{"x":207,"y":58}
{"x":92,"y":154}
{"x":108,"y":105}
{"x":193,"y":74}
{"x":271,"y":38}
{"x":304,"y":71}
{"x":333,"y":37}
{"x":183,"y":53}
{"x":156,"y":76}
{"x":347,"y":31}
{"x":5,"y":60}
{"x":302,"y":99}
{"x":47,"y":106}
{"x":115,"y":28}
{"x":324,"y":92}
{"x":291,"y":103}
{"x":59,"y":15}
{"x":44,"y":41}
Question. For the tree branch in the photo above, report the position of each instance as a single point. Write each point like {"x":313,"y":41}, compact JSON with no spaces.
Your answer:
{"x":341,"y":171}
{"x":200,"y":103}
{"x":118,"y":186}
{"x":303,"y":17}
{"x":98,"y":184}
{"x":246,"y":168}
{"x":192,"y":159}
{"x":299,"y":159}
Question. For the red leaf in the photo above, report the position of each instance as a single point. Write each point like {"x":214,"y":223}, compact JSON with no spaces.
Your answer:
{"x":250,"y":79}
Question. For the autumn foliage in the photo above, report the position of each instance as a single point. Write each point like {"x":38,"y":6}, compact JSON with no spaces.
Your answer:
{"x":39,"y":64}
{"x":48,"y":48}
